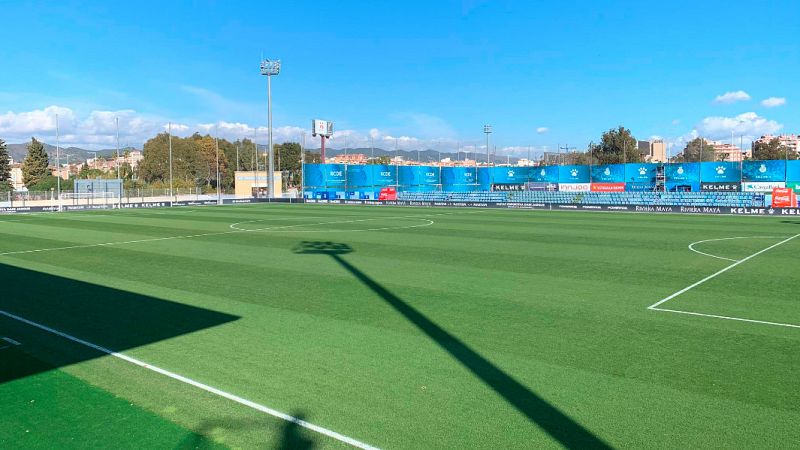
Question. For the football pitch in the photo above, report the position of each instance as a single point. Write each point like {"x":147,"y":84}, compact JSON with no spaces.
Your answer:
{"x":320,"y":326}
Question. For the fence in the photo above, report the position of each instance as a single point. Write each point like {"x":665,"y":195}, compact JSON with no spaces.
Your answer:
{"x":49,"y":198}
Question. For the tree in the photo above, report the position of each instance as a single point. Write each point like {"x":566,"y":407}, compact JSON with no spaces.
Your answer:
{"x":316,"y":158}
{"x":691,"y":153}
{"x":385,"y":159}
{"x":5,"y":168}
{"x":772,"y":150}
{"x":616,"y":146}
{"x":35,"y":167}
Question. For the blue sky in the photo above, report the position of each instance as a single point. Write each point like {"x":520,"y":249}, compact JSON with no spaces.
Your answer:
{"x":428,"y":73}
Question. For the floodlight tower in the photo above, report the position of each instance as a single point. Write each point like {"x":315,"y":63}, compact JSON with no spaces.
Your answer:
{"x":487,"y":130}
{"x":270,"y":68}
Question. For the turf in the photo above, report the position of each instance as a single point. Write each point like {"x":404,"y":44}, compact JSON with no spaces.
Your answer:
{"x":399,"y":327}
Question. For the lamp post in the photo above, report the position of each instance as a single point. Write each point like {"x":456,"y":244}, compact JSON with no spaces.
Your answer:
{"x":270,"y":68}
{"x":487,"y":130}
{"x":58,"y":166}
{"x":169,"y":137}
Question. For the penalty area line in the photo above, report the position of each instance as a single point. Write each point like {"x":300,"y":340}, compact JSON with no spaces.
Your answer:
{"x":655,"y":306}
{"x":243,"y":401}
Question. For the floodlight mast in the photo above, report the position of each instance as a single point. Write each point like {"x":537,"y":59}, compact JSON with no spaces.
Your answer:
{"x":487,"y":130}
{"x":270,"y":68}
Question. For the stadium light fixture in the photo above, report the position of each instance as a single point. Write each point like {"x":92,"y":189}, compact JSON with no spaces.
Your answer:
{"x":269,"y":69}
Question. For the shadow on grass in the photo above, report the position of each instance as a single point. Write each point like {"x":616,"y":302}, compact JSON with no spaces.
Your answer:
{"x":557,"y":424}
{"x":111,"y":318}
{"x":291,"y":436}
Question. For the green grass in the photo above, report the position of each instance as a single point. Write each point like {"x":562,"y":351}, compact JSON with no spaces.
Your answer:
{"x":399,"y":327}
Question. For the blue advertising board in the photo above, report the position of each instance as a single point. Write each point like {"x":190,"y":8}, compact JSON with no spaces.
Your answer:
{"x":793,"y":170}
{"x":764,"y":170}
{"x":641,"y":173}
{"x":457,"y":176}
{"x":485,"y":178}
{"x":544,"y":174}
{"x":683,"y":186}
{"x":608,"y":173}
{"x":573,"y":174}
{"x":335,"y":174}
{"x":640,"y":187}
{"x":314,"y":175}
{"x":720,"y":172}
{"x":682,"y":173}
{"x":359,"y":176}
{"x":418,"y":175}
{"x":384,"y":175}
{"x":509,"y":175}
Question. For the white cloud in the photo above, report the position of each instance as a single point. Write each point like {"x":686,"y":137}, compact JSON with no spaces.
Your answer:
{"x":542,"y":130}
{"x":732,"y":97}
{"x":773,"y":102}
{"x":748,"y":124}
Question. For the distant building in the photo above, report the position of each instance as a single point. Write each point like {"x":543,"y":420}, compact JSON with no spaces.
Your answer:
{"x":728,"y":152}
{"x":16,"y":177}
{"x":524,"y":162}
{"x":653,"y":151}
{"x":792,"y":141}
{"x":352,"y":158}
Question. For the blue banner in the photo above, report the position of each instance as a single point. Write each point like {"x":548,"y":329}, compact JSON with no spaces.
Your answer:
{"x":359,"y":176}
{"x":430,"y":175}
{"x":509,"y":175}
{"x":682,"y":172}
{"x":793,"y":170}
{"x":609,"y":173}
{"x":764,"y":170}
{"x":485,"y":178}
{"x":335,"y":174}
{"x":641,"y":173}
{"x":314,"y":175}
{"x":384,"y":175}
{"x":720,"y":172}
{"x":573,"y":174}
{"x":544,"y":174}
{"x":457,"y":176}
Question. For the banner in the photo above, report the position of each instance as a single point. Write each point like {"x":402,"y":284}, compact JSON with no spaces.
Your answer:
{"x":540,"y":186}
{"x":314,"y":175}
{"x":641,"y":173}
{"x":607,"y":187}
{"x":762,"y":186}
{"x":457,"y":176}
{"x":418,"y":175}
{"x":794,"y":185}
{"x":720,"y":187}
{"x":384,"y":175}
{"x":640,"y":187}
{"x":784,"y":198}
{"x":720,"y":172}
{"x":792,"y":170}
{"x":682,"y":173}
{"x":485,"y":175}
{"x":609,"y":173}
{"x":359,"y":176}
{"x":508,"y":175}
{"x":544,"y":174}
{"x":508,"y":187}
{"x":574,"y":187}
{"x":764,"y":170}
{"x":573,"y":174}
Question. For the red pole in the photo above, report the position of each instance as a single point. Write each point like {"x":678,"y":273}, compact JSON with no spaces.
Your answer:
{"x":322,"y":139}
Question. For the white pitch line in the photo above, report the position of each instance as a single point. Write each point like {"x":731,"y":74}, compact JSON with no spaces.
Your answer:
{"x":11,"y":341}
{"x":655,"y":306}
{"x":691,"y":246}
{"x":216,"y":233}
{"x":243,"y":401}
{"x":726,"y":317}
